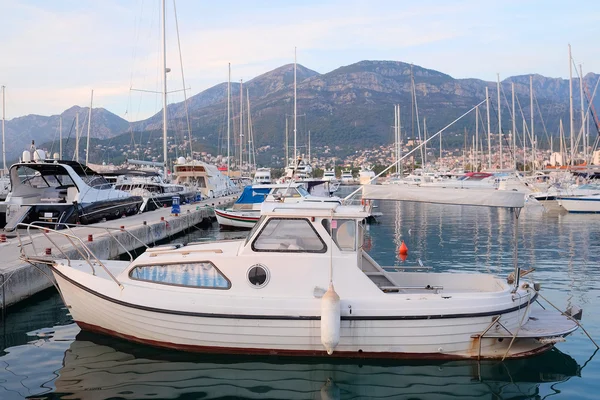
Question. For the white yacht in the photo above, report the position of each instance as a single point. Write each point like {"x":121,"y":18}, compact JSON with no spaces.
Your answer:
{"x":347,"y":178}
{"x":366,"y":176}
{"x":203,"y":177}
{"x":329,"y":175}
{"x":262,"y":176}
{"x":302,"y":284}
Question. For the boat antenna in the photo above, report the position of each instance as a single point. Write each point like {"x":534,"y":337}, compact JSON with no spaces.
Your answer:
{"x":415,"y":149}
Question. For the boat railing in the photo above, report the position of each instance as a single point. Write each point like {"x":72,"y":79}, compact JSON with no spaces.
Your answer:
{"x":68,"y":243}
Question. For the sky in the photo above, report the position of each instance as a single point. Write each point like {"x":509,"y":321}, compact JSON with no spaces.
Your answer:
{"x":53,"y":53}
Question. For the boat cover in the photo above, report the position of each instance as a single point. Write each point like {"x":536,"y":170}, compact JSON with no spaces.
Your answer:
{"x":252,"y":195}
{"x":446,"y":195}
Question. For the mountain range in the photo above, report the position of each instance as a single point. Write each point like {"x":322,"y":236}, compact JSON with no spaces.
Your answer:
{"x":351,"y":106}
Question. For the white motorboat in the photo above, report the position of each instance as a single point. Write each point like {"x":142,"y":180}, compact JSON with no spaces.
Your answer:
{"x":366,"y":176}
{"x":62,"y":192}
{"x":245,"y":212}
{"x":203,"y":177}
{"x":580,"y":204}
{"x":329,"y":175}
{"x":301,"y":284}
{"x":347,"y":178}
{"x":262,"y":176}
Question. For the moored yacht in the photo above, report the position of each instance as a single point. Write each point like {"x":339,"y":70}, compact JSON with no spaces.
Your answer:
{"x":262,"y":176}
{"x":60,"y":191}
{"x":302,"y":284}
{"x":366,"y":176}
{"x":347,"y":178}
{"x":203,"y":177}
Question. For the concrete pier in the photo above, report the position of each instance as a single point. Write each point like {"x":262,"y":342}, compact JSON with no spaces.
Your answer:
{"x":20,"y":280}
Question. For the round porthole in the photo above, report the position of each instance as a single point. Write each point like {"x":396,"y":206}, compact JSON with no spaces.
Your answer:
{"x":258,"y":276}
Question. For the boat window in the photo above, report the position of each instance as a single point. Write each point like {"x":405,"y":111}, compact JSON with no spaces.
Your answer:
{"x":344,"y":232}
{"x":289,"y":235}
{"x":198,"y":274}
{"x":254,"y":228}
{"x":286,"y":192}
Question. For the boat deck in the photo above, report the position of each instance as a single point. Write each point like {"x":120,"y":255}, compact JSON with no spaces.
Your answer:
{"x":541,"y":323}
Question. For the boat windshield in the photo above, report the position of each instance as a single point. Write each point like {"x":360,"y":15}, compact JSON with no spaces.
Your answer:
{"x":254,"y":228}
{"x":303,"y":192}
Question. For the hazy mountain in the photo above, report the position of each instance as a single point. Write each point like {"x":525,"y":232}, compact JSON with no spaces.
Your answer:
{"x":351,"y":106}
{"x":21,"y":131}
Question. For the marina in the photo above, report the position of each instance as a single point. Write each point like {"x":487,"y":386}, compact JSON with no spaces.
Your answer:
{"x":253,"y":225}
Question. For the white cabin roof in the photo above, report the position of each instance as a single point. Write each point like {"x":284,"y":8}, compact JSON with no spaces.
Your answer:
{"x":314,"y":209}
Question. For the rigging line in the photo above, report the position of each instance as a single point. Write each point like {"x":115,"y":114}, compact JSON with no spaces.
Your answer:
{"x":187,"y":115}
{"x":418,"y":147}
{"x":508,"y":144}
{"x":542,"y":118}
{"x":70,"y":130}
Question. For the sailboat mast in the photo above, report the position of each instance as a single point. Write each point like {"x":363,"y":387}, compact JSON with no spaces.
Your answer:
{"x":489,"y":130}
{"x":287,"y":156}
{"x":60,"y":149}
{"x":3,"y":137}
{"x":476,"y":138}
{"x":571,"y":118}
{"x":249,"y":131}
{"x":87,"y":149}
{"x":295,"y":105}
{"x":500,"y":123}
{"x":228,"y":116}
{"x":514,"y":125}
{"x":309,"y":147}
{"x":241,"y":124}
{"x":164,"y":91}
{"x":582,"y":114}
{"x":77,"y":136}
{"x":531,"y":122}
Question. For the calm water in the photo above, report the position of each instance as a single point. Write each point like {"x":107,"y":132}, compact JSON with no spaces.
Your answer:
{"x":44,"y":355}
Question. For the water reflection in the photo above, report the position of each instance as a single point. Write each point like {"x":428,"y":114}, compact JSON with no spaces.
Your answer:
{"x":97,"y":367}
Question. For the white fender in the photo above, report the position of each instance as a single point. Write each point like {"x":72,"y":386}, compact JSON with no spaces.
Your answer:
{"x":330,"y":319}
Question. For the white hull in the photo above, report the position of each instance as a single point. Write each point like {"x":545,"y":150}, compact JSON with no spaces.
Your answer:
{"x":424,"y":338}
{"x":589,"y":204}
{"x":237,"y":219}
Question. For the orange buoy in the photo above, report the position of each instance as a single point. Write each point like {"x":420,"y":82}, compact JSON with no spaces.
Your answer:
{"x":403,"y":249}
{"x":403,"y":257}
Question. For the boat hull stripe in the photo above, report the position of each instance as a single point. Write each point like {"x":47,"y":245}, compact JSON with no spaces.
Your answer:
{"x":295,"y":317}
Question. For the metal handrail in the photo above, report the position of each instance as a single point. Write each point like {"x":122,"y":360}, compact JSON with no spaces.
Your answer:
{"x":78,"y":245}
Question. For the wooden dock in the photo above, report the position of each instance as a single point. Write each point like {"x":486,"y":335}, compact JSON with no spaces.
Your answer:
{"x":20,"y":280}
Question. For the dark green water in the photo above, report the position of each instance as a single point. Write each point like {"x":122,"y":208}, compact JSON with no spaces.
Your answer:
{"x":44,"y":355}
